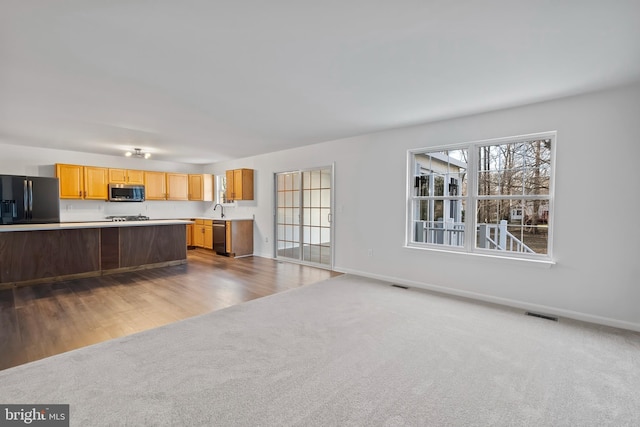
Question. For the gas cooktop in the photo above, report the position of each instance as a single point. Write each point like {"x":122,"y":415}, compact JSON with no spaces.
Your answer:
{"x":128,"y":218}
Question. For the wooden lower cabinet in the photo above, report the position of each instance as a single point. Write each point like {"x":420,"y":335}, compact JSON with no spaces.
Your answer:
{"x":239,"y":238}
{"x":203,"y":233}
{"x":189,"y":235}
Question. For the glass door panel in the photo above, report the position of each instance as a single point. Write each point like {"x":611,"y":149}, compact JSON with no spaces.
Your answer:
{"x":304,"y":210}
{"x":288,"y":215}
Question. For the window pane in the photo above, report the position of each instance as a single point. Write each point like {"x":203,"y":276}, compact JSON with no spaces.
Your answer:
{"x":325,"y":178}
{"x":423,"y":211}
{"x":315,"y":236}
{"x":536,"y":181}
{"x":516,"y":168}
{"x":536,"y":153}
{"x":457,"y":184}
{"x":325,"y":198}
{"x":438,"y":185}
{"x":438,"y":210}
{"x":325,"y":235}
{"x":493,"y":211}
{"x":296,"y":180}
{"x":324,"y":217}
{"x":422,"y":185}
{"x":513,"y":225}
{"x":306,"y":180}
{"x":288,"y":232}
{"x":500,"y":183}
{"x":315,"y":179}
{"x":315,"y":198}
{"x":315,"y":216}
{"x":306,"y":216}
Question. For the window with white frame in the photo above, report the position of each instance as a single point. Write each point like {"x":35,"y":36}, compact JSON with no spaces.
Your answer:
{"x":491,"y":197}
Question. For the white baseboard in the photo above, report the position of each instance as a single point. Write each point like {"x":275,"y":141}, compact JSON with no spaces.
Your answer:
{"x":555,"y":311}
{"x":264,"y":255}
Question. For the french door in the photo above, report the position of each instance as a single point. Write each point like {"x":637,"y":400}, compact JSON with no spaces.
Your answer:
{"x":303,"y":216}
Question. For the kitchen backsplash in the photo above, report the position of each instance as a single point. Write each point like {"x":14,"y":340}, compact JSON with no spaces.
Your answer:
{"x":98,"y":210}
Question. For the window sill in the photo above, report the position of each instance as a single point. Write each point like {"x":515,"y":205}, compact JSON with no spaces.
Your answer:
{"x":529,"y":262}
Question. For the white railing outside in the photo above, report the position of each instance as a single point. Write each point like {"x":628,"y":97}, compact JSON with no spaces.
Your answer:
{"x":443,"y":232}
{"x":490,"y":236}
{"x":496,"y":236}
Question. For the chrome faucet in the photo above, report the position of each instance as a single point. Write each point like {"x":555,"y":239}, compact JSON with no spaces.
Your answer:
{"x":221,"y":209}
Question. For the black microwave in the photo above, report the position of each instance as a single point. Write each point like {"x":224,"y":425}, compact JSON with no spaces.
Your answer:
{"x":126,"y":193}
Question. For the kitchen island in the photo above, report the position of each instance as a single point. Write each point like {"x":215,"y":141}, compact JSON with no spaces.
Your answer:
{"x":39,"y":253}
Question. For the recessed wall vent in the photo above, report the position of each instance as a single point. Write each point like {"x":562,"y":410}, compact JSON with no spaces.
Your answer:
{"x":400,"y":286}
{"x":542,"y":316}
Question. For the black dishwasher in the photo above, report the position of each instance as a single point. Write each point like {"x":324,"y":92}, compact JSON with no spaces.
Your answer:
{"x":220,"y":237}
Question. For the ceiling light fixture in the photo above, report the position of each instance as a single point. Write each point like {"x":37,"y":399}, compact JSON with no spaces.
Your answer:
{"x":137,"y":152}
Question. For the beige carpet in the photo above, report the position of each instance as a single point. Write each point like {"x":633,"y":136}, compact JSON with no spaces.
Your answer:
{"x":347,"y":352}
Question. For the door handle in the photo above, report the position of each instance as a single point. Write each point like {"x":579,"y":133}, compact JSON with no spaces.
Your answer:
{"x":30,"y":200}
{"x":329,"y":217}
{"x":25,"y":200}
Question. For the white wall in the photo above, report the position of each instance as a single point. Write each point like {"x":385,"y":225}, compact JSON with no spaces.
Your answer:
{"x":20,"y":160}
{"x":597,"y":274}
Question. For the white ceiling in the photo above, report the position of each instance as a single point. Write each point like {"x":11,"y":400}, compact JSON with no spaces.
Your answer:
{"x":201,"y":81}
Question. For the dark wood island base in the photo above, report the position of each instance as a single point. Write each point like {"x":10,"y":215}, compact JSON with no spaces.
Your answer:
{"x":42,"y":256}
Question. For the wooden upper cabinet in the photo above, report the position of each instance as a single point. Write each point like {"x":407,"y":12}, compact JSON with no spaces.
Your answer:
{"x":177,"y":186}
{"x":229,"y":195}
{"x":96,"y":183}
{"x":92,"y":183}
{"x":126,"y":176}
{"x":135,"y":177}
{"x":155,"y":184}
{"x":201,"y":187}
{"x":196,"y":191}
{"x":82,"y":182}
{"x":71,"y":181}
{"x":240,"y":184}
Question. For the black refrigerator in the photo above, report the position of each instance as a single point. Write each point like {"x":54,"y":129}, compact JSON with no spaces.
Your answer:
{"x":29,"y":199}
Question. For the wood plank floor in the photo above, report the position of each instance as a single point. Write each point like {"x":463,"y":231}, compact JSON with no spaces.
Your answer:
{"x":42,"y":320}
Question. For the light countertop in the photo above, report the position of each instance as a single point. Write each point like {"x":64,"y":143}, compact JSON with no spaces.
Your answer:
{"x":96,"y":224}
{"x":223,"y":219}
